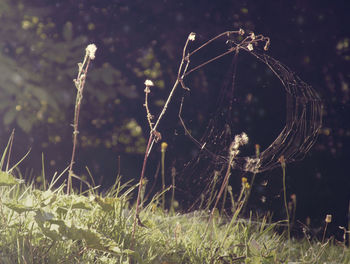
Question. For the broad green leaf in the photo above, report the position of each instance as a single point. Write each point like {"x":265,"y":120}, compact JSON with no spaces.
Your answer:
{"x":52,"y":234}
{"x":7,"y":179}
{"x":42,"y":216}
{"x":81,"y":202}
{"x":20,"y":208}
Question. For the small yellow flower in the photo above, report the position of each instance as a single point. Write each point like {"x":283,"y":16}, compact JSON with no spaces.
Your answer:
{"x":164,"y":145}
{"x":328,"y":218}
{"x":244,"y":180}
{"x":247,"y":185}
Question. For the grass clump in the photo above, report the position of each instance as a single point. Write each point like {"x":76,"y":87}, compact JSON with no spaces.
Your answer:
{"x":49,"y":226}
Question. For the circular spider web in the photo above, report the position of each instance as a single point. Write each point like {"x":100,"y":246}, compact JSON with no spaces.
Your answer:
{"x":303,"y":110}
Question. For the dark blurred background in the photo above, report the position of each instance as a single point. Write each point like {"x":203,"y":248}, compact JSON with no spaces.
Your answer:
{"x":41,"y":43}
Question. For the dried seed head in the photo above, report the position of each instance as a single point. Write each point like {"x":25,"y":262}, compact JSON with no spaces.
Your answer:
{"x":252,"y":35}
{"x":250,"y":47}
{"x":192,"y":36}
{"x":91,"y":50}
{"x":328,"y":218}
{"x":149,"y":83}
{"x":241,"y":32}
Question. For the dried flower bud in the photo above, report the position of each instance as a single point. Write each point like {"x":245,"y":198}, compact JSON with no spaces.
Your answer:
{"x":149,"y":83}
{"x":328,"y":218}
{"x":91,"y":50}
{"x":192,"y":36}
{"x":241,"y":32}
{"x":252,"y":35}
{"x":250,"y":47}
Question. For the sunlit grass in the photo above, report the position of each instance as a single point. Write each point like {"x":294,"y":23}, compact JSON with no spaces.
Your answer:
{"x":49,"y":226}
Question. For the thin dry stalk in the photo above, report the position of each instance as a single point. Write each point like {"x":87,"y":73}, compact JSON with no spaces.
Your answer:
{"x":79,"y":84}
{"x":154,"y":134}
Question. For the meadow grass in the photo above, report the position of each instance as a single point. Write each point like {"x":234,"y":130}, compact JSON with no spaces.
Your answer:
{"x":48,"y":226}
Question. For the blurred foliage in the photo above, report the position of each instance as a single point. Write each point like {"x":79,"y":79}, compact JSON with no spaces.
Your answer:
{"x":38,"y":61}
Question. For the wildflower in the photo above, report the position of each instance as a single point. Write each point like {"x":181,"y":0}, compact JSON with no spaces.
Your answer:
{"x":241,"y":32}
{"x":328,"y":218}
{"x":247,"y":185}
{"x":244,"y":180}
{"x":91,"y":50}
{"x":192,"y":36}
{"x":164,"y":145}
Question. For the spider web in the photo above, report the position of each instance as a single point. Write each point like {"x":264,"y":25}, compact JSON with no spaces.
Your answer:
{"x":303,"y":118}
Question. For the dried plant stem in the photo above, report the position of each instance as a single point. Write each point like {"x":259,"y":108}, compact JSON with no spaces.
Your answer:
{"x":154,"y":135}
{"x":79,"y":84}
{"x":150,"y":139}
